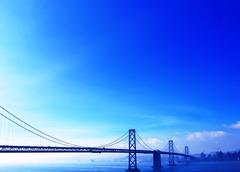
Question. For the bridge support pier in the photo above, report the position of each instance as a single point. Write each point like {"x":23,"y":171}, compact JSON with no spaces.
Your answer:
{"x":171,"y":150}
{"x":156,"y":160}
{"x":132,"y":156}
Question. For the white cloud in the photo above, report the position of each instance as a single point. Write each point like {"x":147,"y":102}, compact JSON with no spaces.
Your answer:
{"x":205,"y":135}
{"x":154,"y":141}
{"x":236,"y":125}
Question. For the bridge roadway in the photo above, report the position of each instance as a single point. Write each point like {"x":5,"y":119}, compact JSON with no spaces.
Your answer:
{"x":52,"y":149}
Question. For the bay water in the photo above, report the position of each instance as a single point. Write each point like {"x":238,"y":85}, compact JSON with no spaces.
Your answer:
{"x":223,"y":166}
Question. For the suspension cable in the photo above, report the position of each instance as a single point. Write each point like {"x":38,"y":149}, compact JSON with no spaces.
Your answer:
{"x":118,"y":140}
{"x":32,"y":131}
{"x":176,"y":149}
{"x":146,"y":145}
{"x":58,"y":140}
{"x":142,"y":145}
{"x":54,"y":139}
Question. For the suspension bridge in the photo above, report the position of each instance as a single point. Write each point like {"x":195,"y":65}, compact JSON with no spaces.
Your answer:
{"x":62,"y":146}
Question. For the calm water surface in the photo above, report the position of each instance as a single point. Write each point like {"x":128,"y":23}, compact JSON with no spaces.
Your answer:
{"x":193,"y":167}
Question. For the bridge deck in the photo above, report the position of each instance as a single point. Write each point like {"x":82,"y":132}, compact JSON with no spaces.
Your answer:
{"x":52,"y":149}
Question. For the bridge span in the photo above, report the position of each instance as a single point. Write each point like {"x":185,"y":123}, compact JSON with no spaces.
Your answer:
{"x":58,"y":149}
{"x":66,"y":147}
{"x":132,"y":167}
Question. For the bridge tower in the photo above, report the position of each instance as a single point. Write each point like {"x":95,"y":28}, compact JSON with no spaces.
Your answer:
{"x":156,"y":160}
{"x":186,"y":152}
{"x":171,"y":150}
{"x":132,"y":156}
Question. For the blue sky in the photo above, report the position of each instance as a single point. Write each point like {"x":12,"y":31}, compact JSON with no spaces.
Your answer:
{"x":98,"y":68}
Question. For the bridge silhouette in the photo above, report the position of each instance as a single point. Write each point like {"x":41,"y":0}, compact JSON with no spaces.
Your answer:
{"x":66,"y":147}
